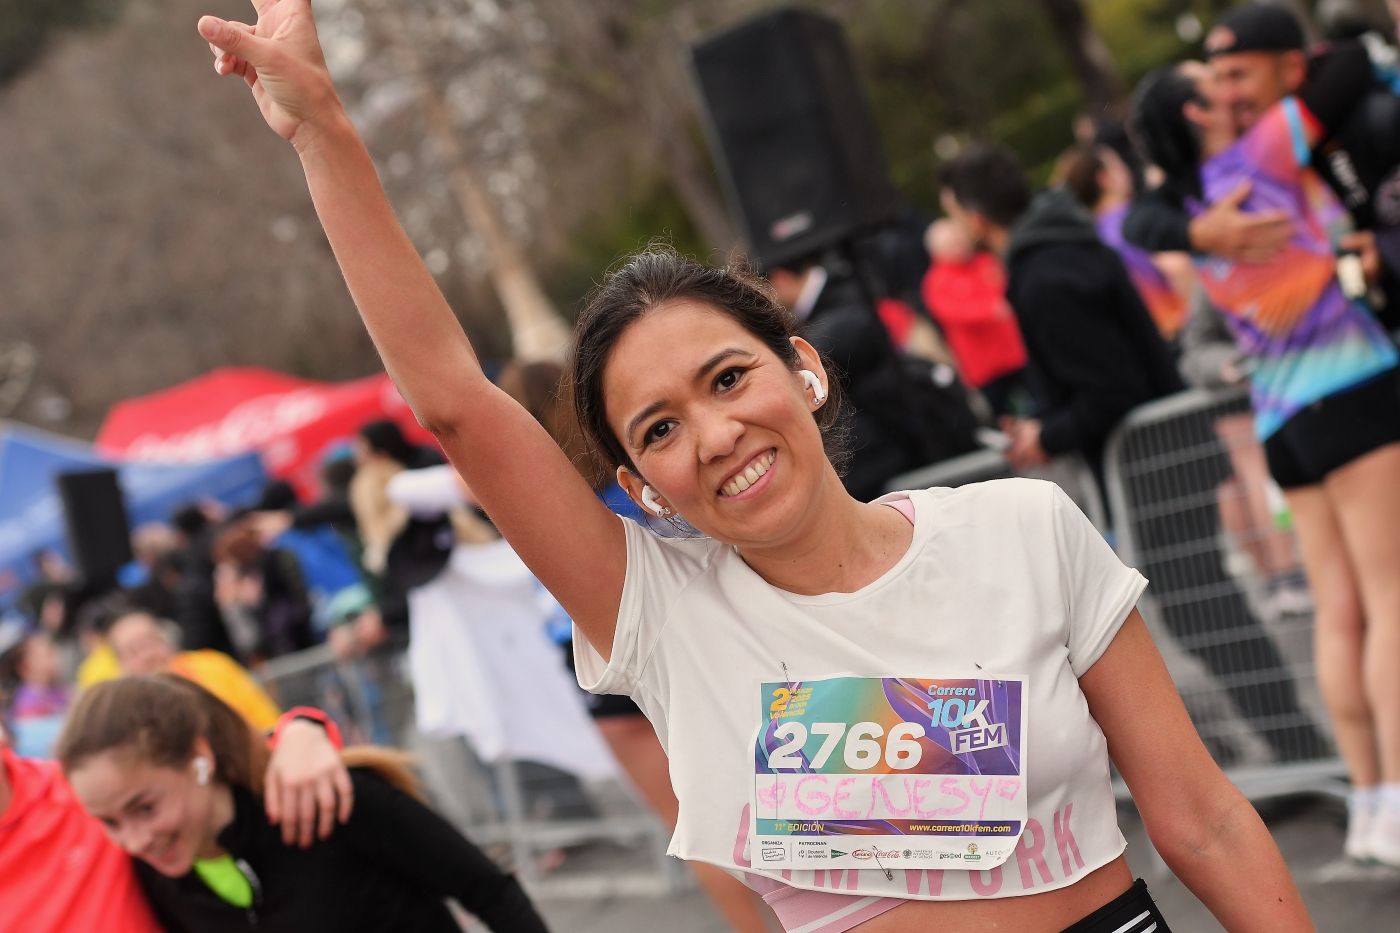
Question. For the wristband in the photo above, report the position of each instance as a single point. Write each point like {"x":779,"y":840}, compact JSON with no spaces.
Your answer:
{"x":311,"y":714}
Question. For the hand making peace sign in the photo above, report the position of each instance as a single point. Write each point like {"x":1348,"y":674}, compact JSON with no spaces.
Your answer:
{"x":279,"y":57}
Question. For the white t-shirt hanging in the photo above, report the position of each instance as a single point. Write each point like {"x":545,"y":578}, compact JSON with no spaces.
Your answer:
{"x":1006,"y":591}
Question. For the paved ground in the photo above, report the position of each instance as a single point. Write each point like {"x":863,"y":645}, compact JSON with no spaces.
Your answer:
{"x":1341,"y":897}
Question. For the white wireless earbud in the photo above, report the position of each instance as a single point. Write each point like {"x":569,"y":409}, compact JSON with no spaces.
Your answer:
{"x":815,"y":384}
{"x":201,"y":770}
{"x":651,"y":502}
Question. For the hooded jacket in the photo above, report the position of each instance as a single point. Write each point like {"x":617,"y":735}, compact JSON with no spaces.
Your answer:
{"x":1094,"y":352}
{"x":58,"y":870}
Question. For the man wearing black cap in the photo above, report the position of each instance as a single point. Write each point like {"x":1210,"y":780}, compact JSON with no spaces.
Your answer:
{"x":1257,"y":52}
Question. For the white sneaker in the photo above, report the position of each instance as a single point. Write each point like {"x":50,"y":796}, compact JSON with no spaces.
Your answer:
{"x":1360,"y":825}
{"x":1383,"y":841}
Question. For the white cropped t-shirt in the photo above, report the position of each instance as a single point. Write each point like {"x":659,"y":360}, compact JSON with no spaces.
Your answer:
{"x":1006,"y":577}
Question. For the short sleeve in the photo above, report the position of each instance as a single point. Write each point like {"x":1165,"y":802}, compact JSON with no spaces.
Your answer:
{"x":658,"y":570}
{"x":1279,"y":146}
{"x":1098,"y":590}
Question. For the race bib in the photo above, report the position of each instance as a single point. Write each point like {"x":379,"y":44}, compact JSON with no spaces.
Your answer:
{"x":889,"y":772}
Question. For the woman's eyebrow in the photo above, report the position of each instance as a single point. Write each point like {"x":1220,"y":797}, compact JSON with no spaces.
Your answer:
{"x":644,"y":414}
{"x":133,"y":800}
{"x":700,"y":373}
{"x":715,"y":360}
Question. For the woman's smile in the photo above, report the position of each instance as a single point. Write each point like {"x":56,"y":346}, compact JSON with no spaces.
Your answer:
{"x":752,"y":478}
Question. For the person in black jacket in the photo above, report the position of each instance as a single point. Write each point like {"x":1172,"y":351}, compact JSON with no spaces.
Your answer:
{"x":1094,"y":352}
{"x":175,"y":776}
{"x":196,"y":611}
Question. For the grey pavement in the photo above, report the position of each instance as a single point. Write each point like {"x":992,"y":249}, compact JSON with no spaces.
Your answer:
{"x":1340,"y":896}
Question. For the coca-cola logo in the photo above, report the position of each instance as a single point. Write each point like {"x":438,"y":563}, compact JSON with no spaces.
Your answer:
{"x":249,"y":426}
{"x":873,"y":853}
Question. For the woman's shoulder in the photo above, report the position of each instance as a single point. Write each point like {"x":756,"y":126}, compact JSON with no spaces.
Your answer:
{"x":988,"y":499}
{"x":993,"y":516}
{"x":676,"y":547}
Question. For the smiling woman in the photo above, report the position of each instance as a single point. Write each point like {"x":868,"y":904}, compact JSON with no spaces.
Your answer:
{"x":799,"y":644}
{"x":176,"y":778}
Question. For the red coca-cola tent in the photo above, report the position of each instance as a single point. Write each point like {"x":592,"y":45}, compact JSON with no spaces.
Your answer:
{"x":290,"y":422}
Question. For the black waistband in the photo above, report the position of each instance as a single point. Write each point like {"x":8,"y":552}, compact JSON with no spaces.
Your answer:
{"x":1133,"y":911}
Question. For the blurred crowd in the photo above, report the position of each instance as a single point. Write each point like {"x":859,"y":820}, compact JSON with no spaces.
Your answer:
{"x":216,"y":593}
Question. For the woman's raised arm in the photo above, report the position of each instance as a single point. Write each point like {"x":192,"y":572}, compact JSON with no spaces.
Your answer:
{"x":531,"y":490}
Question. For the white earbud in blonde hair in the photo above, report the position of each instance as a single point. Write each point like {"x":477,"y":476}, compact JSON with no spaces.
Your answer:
{"x":651,"y":502}
{"x":815,"y":384}
{"x":201,"y":770}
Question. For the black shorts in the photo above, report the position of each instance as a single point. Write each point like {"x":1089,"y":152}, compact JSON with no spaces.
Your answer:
{"x":1334,"y":431}
{"x":601,"y":705}
{"x":1133,"y":911}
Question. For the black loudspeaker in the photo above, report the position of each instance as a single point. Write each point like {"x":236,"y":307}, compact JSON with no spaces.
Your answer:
{"x":792,"y":134}
{"x":99,"y":533}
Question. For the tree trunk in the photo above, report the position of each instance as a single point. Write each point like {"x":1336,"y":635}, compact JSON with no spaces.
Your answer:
{"x":1089,"y":58}
{"x":690,"y":176}
{"x":537,"y":331}
{"x":650,"y":96}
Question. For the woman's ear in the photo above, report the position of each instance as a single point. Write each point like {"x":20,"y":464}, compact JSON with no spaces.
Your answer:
{"x":633,"y":485}
{"x":809,"y":358}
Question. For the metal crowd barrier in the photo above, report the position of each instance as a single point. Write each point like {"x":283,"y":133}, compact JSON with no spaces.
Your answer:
{"x":528,"y":816}
{"x":1188,"y":485}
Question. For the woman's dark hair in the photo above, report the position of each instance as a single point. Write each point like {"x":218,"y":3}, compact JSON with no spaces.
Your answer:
{"x":1078,"y":170}
{"x":1160,"y":130}
{"x":653,"y":277}
{"x":384,"y":437}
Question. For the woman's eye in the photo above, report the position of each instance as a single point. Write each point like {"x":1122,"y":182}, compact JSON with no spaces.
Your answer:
{"x":657,"y":432}
{"x":729,"y":378}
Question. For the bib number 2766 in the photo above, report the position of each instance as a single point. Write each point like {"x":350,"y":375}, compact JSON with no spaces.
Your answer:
{"x":863,"y":745}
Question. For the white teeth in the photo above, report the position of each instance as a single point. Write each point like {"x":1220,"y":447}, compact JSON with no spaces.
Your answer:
{"x":750,"y":475}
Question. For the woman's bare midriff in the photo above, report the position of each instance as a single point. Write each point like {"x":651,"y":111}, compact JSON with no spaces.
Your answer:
{"x":1050,"y":912}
